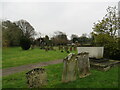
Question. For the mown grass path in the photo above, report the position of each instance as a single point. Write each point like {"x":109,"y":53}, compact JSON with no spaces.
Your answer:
{"x":13,"y":70}
{"x":15,"y":56}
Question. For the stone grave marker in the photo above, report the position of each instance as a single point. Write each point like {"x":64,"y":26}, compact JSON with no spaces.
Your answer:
{"x":75,"y":48}
{"x":66,"y":49}
{"x":36,"y":78}
{"x":69,"y":68}
{"x":71,"y":48}
{"x":83,"y":64}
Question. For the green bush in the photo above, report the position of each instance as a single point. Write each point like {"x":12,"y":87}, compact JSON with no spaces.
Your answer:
{"x":112,"y":51}
{"x":25,"y":43}
{"x":111,"y":45}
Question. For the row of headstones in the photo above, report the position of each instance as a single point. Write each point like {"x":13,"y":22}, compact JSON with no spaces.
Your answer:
{"x":74,"y":65}
{"x":67,"y":48}
{"x":46,"y":48}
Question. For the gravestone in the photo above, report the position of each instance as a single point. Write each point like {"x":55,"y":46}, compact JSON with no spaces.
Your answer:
{"x":36,"y":78}
{"x":71,"y":48}
{"x":66,"y":49}
{"x":83,"y":64}
{"x":75,"y":48}
{"x":69,"y":68}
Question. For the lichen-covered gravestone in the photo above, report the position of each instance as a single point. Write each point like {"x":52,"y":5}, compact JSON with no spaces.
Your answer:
{"x":83,"y":64}
{"x":36,"y":78}
{"x":69,"y":68}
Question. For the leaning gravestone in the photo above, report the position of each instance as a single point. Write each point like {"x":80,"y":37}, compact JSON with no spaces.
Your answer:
{"x":83,"y":64}
{"x":36,"y":78}
{"x":69,"y":68}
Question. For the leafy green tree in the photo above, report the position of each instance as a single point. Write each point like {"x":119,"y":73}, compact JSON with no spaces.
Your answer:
{"x":83,"y":39}
{"x":11,"y":33}
{"x":105,"y":34}
{"x":59,"y":38}
{"x":46,"y":39}
{"x":74,"y":38}
{"x":25,"y":43}
{"x":109,"y":23}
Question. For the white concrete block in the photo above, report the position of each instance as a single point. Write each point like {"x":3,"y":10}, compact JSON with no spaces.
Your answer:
{"x":94,"y":52}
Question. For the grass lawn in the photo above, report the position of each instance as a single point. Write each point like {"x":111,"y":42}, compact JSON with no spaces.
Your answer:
{"x":97,"y":79}
{"x":15,"y":56}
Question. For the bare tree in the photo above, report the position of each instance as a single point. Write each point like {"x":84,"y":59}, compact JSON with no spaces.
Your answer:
{"x":26,"y":28}
{"x":59,"y":38}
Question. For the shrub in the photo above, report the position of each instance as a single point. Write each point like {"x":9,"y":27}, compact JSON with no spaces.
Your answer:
{"x":25,"y":43}
{"x":111,"y":45}
{"x":112,"y":51}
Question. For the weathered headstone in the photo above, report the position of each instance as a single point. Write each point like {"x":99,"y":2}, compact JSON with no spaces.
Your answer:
{"x":83,"y":64}
{"x":69,"y":68}
{"x":36,"y":78}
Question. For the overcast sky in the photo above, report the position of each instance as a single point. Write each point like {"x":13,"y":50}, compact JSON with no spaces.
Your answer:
{"x":47,"y":17}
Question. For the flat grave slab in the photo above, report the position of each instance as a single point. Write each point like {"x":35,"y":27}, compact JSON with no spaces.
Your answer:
{"x":104,"y":66}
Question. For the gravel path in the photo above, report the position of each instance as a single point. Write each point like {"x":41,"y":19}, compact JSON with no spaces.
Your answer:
{"x":13,"y":70}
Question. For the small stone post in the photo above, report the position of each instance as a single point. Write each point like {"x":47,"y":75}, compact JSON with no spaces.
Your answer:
{"x":69,"y":68}
{"x":83,"y":64}
{"x":36,"y":78}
